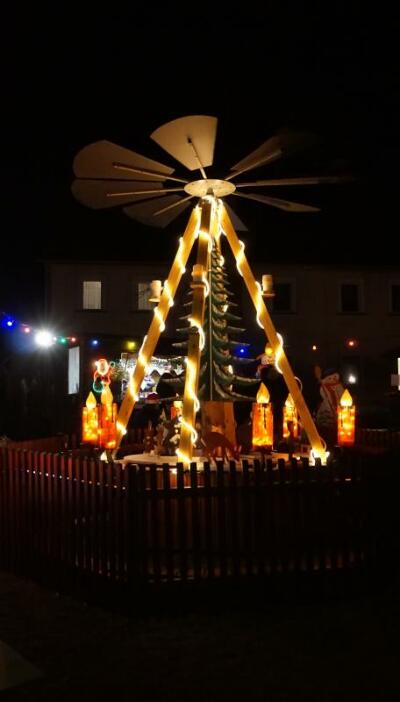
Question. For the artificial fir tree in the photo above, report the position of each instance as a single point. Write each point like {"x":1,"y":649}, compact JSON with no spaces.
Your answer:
{"x":219,"y":383}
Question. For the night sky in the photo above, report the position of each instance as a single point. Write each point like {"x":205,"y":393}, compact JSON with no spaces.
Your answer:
{"x":73,"y":79}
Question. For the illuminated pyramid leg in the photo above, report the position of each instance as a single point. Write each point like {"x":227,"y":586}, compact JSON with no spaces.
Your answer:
{"x":265,"y":322}
{"x":157,"y":325}
{"x":191,"y":405}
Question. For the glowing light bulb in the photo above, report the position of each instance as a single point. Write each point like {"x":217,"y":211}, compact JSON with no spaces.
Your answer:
{"x":44,"y":339}
{"x":8,"y":323}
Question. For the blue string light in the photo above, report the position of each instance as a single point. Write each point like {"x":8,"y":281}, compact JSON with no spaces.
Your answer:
{"x":8,"y":322}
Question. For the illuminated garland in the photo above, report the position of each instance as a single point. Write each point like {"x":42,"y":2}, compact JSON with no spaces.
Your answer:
{"x":42,"y":336}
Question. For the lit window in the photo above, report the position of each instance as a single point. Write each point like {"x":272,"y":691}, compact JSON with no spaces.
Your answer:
{"x":73,"y":370}
{"x":395,"y":298}
{"x":92,"y":295}
{"x":143,"y":294}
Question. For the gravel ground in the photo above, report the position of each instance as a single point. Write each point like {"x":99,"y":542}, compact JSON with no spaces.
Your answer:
{"x":347,"y":650}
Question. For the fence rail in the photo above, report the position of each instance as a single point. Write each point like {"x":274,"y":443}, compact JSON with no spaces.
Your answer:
{"x":380,"y":438}
{"x":77,"y":520}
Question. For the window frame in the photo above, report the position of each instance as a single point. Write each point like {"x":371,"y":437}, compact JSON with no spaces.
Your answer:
{"x":361,"y":300}
{"x":92,"y":309}
{"x":293,"y":296}
{"x":137,"y":308}
{"x":392,"y":283}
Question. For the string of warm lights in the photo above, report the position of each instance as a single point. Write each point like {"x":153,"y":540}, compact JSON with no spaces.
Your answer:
{"x":121,"y":428}
{"x":207,"y":232}
{"x":167,"y":292}
{"x":179,"y":259}
{"x":159,"y":316}
{"x":237,"y":246}
{"x":191,"y":395}
{"x":240,"y":256}
{"x":195,"y":323}
{"x":259,"y":302}
{"x":190,"y":392}
{"x":158,"y":323}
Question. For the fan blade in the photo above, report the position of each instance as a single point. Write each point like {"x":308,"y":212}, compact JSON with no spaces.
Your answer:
{"x":99,"y":194}
{"x":146,"y":212}
{"x":170,"y":207}
{"x":103,"y":159}
{"x":152,"y":175}
{"x":236,"y":221}
{"x":272,"y":149}
{"x":281,"y":204}
{"x":314,"y":180}
{"x":189,"y":140}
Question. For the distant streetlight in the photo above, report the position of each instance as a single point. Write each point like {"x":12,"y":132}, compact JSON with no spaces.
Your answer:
{"x":44,"y":339}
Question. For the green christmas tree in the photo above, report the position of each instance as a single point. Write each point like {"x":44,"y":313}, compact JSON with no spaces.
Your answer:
{"x":219,"y":379}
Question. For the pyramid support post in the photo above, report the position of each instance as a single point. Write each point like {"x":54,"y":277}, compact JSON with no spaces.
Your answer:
{"x":157,"y":325}
{"x":191,"y":405}
{"x":264,"y":320}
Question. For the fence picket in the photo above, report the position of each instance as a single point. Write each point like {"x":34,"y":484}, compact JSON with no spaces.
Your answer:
{"x":65,"y":519}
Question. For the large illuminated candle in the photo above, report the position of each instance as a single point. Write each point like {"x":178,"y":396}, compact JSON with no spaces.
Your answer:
{"x":108,"y":430}
{"x":263,"y":421}
{"x":90,"y":421}
{"x":290,"y":415}
{"x":346,"y":420}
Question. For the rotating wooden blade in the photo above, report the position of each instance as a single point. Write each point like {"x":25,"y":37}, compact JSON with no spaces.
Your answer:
{"x":271,"y":150}
{"x":103,"y":159}
{"x":100,"y":194}
{"x":190,"y":140}
{"x":145,"y":212}
{"x":277,"y":182}
{"x":236,"y":221}
{"x":278,"y":202}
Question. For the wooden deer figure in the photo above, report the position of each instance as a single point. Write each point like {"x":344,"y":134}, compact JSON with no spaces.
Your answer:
{"x":216,"y":445}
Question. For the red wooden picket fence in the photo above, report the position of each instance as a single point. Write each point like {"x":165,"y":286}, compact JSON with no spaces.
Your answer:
{"x":133,"y":443}
{"x":379,"y":438}
{"x":60,"y":442}
{"x":69,"y":521}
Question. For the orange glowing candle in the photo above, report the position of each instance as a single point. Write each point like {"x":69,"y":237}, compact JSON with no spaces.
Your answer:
{"x":290,"y":415}
{"x":263,"y":421}
{"x":90,"y":421}
{"x":346,"y":420}
{"x":108,"y":432}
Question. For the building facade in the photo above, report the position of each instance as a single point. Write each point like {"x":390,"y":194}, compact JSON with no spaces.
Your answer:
{"x":341,"y":318}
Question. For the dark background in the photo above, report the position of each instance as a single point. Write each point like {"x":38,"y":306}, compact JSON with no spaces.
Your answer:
{"x":75,"y":76}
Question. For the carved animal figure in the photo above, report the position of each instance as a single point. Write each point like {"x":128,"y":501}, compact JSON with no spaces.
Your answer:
{"x":216,"y":446}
